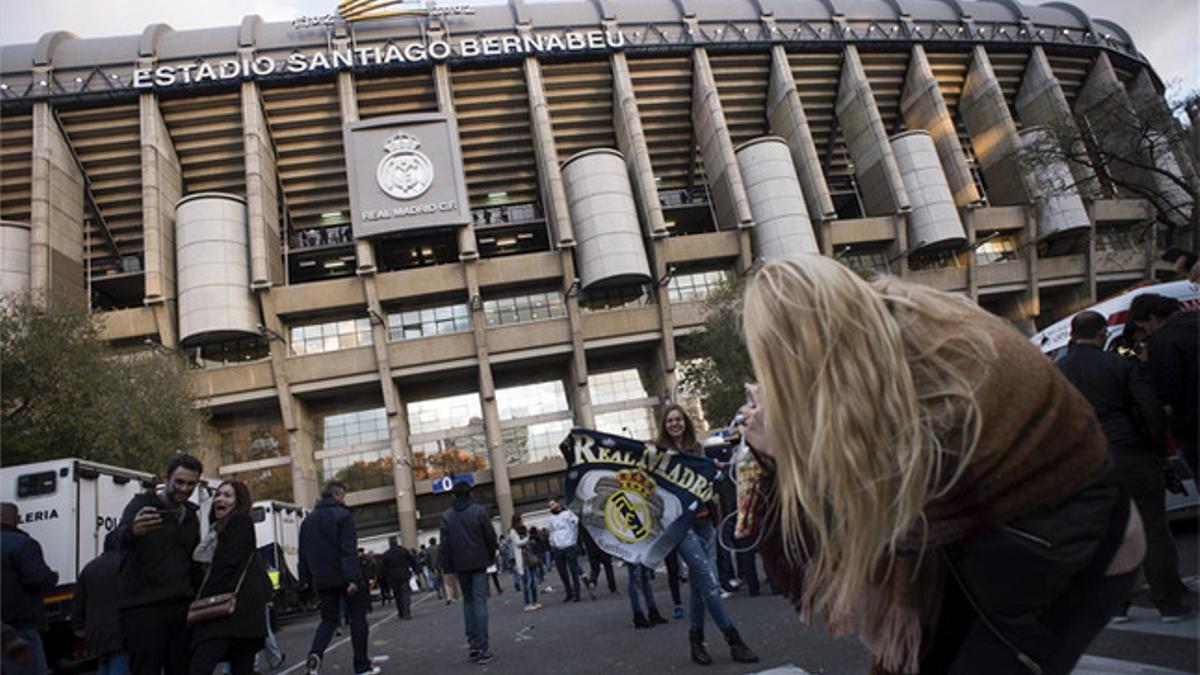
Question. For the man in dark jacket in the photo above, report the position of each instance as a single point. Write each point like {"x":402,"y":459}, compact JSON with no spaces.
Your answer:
{"x":24,"y":576}
{"x":1135,"y":429}
{"x":468,"y":547}
{"x":399,"y":564}
{"x":1173,"y":349}
{"x":158,"y":533}
{"x":329,"y":563}
{"x":94,"y":608}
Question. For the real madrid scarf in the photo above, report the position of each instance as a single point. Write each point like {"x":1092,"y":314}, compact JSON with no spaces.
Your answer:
{"x":637,"y":500}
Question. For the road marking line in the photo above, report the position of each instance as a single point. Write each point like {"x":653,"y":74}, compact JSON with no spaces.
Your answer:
{"x":345,"y":640}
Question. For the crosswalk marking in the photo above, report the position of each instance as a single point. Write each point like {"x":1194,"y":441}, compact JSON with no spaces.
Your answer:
{"x":1145,"y":620}
{"x":1098,"y":665}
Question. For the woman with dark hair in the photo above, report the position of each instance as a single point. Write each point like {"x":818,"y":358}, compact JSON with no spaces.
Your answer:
{"x":230,"y":556}
{"x":524,"y":558}
{"x":698,"y":550}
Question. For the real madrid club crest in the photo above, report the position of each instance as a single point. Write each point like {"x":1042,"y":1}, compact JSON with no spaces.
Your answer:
{"x":405,"y":172}
{"x":628,"y":512}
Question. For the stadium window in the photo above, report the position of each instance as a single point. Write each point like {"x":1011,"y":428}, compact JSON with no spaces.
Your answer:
{"x":617,"y":297}
{"x":331,"y":336}
{"x":428,"y":321}
{"x":1118,"y":238}
{"x":843,"y":189}
{"x":693,"y":286}
{"x":524,"y":308}
{"x":866,"y":262}
{"x":997,"y":250}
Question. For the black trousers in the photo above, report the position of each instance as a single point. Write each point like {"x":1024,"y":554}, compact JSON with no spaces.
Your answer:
{"x":403,"y":599}
{"x":1142,"y":477}
{"x":157,"y":638}
{"x":595,"y":562}
{"x":239,"y":652}
{"x":1033,"y":590}
{"x":356,"y":611}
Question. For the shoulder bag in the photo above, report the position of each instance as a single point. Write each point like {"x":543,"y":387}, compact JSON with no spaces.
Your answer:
{"x":219,"y":606}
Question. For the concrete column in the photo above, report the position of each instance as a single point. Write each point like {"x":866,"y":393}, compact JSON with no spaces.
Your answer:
{"x":924,"y":108}
{"x":716,"y":147}
{"x":162,"y":187}
{"x":968,"y":218}
{"x":631,"y":140}
{"x":56,"y":266}
{"x":787,"y":119}
{"x":867,"y":141}
{"x":305,"y":481}
{"x":262,"y":192}
{"x":469,"y":256}
{"x":393,"y":403}
{"x":554,"y":195}
{"x":1041,"y":102}
{"x":577,"y":389}
{"x":1032,"y":306}
{"x":993,"y":133}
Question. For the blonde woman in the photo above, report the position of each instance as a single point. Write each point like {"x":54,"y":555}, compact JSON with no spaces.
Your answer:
{"x":930,"y":480}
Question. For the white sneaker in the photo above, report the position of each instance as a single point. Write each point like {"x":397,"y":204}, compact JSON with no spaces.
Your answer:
{"x":374,"y":670}
{"x":313,"y":665}
{"x":382,"y":658}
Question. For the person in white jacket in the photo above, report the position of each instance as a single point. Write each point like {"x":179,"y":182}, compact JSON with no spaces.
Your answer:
{"x":564,"y":542}
{"x":518,"y":539}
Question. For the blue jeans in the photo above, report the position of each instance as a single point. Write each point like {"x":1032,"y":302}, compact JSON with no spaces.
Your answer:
{"x":529,"y":587}
{"x":37,"y":664}
{"x":640,"y":575}
{"x":474,"y":587}
{"x":516,"y":578}
{"x":698,"y":550}
{"x":116,"y":663}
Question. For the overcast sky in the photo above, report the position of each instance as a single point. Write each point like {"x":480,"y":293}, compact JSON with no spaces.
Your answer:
{"x":1166,"y":31}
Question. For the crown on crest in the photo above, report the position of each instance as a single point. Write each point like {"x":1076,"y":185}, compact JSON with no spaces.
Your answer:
{"x":636,"y":482}
{"x":402,"y":141}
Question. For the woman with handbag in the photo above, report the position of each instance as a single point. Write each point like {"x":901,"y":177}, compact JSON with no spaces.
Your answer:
{"x":227,"y":618}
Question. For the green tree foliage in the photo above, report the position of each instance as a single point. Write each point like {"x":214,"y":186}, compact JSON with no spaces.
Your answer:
{"x":66,"y":393}
{"x":715,"y":363}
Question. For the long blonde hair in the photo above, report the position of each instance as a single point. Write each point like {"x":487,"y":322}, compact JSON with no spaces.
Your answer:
{"x":864,"y":383}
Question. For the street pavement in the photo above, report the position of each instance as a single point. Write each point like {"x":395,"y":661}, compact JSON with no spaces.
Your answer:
{"x":597,"y":637}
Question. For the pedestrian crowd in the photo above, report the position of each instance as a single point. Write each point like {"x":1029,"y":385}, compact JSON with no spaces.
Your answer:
{"x":1012,"y":502}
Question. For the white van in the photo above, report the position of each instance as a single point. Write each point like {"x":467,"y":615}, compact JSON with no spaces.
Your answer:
{"x":69,"y":506}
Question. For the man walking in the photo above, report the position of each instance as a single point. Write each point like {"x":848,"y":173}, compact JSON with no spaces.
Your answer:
{"x":398,"y":565}
{"x":24,"y":576}
{"x":159,"y":531}
{"x":468,"y":547}
{"x":94,"y":608}
{"x":564,"y":545}
{"x":1173,"y":351}
{"x":329,"y":563}
{"x":1134,"y":426}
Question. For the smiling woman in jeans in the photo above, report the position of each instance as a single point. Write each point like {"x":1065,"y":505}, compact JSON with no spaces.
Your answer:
{"x":698,"y":551}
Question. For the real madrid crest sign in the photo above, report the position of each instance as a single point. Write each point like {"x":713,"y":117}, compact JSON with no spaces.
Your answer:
{"x":405,"y":173}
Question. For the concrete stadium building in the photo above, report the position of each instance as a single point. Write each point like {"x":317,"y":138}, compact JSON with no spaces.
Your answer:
{"x":415,"y":242}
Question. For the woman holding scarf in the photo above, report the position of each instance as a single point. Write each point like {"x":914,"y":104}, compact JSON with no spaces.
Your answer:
{"x":698,"y":551}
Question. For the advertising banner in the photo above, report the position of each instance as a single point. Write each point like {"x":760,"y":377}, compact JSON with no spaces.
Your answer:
{"x":637,"y":500}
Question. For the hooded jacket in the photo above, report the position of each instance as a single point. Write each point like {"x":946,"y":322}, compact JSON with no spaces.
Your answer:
{"x":25,"y":576}
{"x":468,"y":542}
{"x":328,"y":540}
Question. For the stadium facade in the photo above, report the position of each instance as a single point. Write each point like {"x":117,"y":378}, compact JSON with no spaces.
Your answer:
{"x":399,"y":243}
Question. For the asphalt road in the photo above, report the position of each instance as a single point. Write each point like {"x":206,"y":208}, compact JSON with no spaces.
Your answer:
{"x":597,"y":637}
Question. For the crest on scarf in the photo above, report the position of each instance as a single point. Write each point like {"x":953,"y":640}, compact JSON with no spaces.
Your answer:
{"x":404,"y":172}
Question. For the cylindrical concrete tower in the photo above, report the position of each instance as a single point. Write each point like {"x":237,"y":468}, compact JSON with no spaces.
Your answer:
{"x":1061,"y":209}
{"x":934,"y":220}
{"x":14,"y":257}
{"x":781,"y":224}
{"x":609,"y":250}
{"x":213,"y":256}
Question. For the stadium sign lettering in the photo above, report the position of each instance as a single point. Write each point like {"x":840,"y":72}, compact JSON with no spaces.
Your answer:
{"x":348,"y":59}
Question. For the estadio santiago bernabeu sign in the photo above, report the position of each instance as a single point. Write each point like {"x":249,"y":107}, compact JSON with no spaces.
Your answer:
{"x":397,"y":54}
{"x":405,"y":173}
{"x":637,"y":500}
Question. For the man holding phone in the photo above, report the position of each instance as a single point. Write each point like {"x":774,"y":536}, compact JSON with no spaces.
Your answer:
{"x":159,"y":530}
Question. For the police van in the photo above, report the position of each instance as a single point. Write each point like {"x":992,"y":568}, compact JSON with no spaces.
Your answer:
{"x":277,"y":532}
{"x":69,"y":506}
